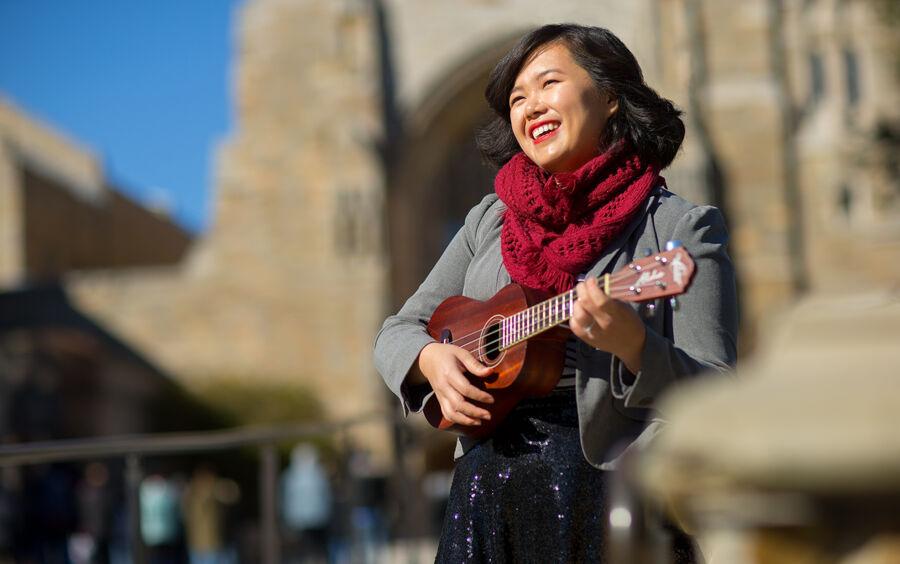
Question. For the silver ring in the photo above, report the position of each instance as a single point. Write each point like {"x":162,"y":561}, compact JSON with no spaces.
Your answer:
{"x":587,"y":328}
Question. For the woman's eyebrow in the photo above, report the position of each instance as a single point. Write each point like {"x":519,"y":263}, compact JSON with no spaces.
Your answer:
{"x":546,"y":71}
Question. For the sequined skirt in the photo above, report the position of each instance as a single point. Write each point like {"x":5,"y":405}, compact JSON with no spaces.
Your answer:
{"x":527,"y":494}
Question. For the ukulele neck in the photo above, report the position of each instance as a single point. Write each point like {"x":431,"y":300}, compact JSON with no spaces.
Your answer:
{"x":541,"y":317}
{"x":655,"y":276}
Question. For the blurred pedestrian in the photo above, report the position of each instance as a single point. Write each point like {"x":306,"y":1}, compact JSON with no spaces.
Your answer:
{"x":204,"y":504}
{"x":306,"y":502}
{"x":160,"y":520}
{"x":90,"y":543}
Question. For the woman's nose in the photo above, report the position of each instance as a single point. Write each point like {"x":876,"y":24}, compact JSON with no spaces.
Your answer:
{"x":535,"y":107}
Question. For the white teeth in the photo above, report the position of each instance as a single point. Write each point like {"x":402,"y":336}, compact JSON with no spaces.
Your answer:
{"x":538,"y":131}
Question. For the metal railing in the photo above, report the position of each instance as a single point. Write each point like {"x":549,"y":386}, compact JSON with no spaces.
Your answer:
{"x":135,"y":448}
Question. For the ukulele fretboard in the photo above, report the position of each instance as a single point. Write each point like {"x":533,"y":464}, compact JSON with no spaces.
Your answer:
{"x":536,"y":319}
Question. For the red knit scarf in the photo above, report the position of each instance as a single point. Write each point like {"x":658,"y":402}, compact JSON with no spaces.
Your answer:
{"x":556,"y":225}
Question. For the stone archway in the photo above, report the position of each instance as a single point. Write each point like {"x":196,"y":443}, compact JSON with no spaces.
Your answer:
{"x":438,"y":174}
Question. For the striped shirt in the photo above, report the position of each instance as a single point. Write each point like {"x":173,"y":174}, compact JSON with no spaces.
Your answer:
{"x":567,"y":380}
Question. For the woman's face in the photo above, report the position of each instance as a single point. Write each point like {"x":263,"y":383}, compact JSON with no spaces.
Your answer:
{"x":556,"y":111}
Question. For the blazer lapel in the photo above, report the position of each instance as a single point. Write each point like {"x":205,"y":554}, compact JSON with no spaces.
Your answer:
{"x":617,"y":246}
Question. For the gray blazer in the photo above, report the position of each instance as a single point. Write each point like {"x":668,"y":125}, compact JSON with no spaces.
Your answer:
{"x":615,"y":407}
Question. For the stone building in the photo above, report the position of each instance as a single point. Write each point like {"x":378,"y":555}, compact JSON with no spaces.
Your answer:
{"x":352,"y":163}
{"x":59,"y":213}
{"x":62,"y":375}
{"x":792,"y":112}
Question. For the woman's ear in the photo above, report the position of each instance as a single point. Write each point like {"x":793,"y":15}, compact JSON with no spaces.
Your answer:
{"x":612,"y":103}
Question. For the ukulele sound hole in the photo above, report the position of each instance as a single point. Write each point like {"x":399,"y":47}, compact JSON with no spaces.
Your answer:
{"x":491,"y":342}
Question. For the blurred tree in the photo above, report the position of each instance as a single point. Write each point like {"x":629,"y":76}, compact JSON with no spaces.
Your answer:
{"x":254,"y":401}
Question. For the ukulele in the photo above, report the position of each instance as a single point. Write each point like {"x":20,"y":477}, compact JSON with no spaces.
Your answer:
{"x":519,"y":332}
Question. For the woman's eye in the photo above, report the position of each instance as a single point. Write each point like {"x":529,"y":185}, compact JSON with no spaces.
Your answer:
{"x":549,"y":82}
{"x":515,"y":100}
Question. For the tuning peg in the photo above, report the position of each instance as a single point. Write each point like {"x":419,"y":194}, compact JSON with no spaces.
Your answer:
{"x":673,"y":244}
{"x":649,"y":310}
{"x":674,"y":303}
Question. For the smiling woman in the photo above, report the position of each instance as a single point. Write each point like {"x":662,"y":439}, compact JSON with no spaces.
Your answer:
{"x":579,"y":140}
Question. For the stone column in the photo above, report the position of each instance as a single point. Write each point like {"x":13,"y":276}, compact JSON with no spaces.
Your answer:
{"x":12,"y":245}
{"x":298,"y":212}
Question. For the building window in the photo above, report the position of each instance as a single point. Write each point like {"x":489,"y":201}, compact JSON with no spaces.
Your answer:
{"x":845,"y":201}
{"x":851,"y":78}
{"x":816,"y":78}
{"x":356,"y":230}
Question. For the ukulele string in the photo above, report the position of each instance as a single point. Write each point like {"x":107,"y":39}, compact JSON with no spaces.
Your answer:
{"x":475,"y":336}
{"x":477,"y":351}
{"x":545,"y":318}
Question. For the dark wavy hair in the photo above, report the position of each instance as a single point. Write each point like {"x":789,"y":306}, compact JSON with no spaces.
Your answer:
{"x":648,"y":121}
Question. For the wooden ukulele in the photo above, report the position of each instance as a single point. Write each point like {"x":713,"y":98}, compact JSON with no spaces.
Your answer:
{"x":519,"y":332}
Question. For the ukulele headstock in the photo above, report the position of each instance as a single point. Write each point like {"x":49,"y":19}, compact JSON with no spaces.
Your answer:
{"x":663,"y":274}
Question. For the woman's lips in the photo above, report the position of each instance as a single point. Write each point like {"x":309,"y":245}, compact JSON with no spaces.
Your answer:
{"x":546,"y":136}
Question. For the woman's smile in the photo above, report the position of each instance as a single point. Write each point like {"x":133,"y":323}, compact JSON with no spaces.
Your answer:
{"x":543,"y":130}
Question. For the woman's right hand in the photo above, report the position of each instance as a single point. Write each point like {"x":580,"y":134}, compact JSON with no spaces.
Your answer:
{"x":444,"y":365}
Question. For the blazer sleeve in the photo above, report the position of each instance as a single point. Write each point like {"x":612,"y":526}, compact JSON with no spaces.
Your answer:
{"x":700,"y":333}
{"x":403,"y":336}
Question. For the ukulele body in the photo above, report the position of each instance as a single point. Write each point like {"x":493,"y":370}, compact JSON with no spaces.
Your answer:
{"x":531,"y":368}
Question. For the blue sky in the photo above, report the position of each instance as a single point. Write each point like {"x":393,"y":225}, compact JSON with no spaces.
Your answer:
{"x":144,"y":83}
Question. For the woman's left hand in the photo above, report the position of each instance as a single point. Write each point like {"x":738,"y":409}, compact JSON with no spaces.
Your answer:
{"x":608,"y":324}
